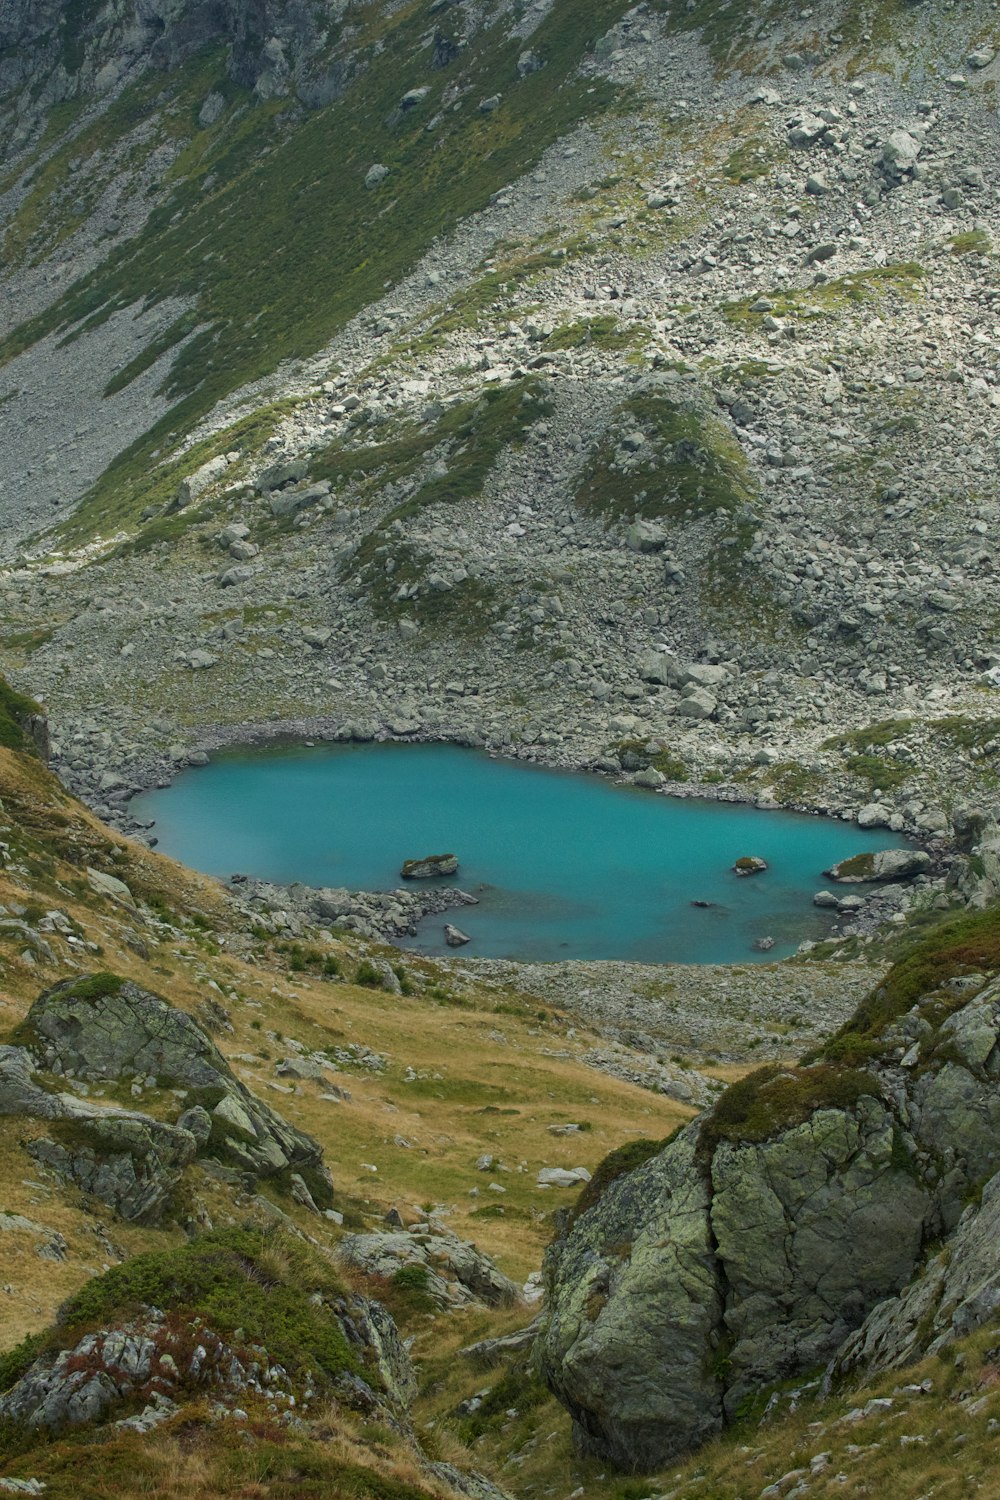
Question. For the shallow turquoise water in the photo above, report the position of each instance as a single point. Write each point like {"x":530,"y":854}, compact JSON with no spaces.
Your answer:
{"x":565,"y":865}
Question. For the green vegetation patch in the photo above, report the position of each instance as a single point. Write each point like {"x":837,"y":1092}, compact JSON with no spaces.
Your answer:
{"x":16,"y":712}
{"x":599,"y":333}
{"x":970,"y":242}
{"x":255,"y":1286}
{"x":967,"y":944}
{"x":966,"y":733}
{"x":689,"y":465}
{"x":775,"y":1098}
{"x":904,"y":278}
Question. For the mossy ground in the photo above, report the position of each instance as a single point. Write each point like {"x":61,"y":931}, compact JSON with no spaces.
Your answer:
{"x":689,"y":465}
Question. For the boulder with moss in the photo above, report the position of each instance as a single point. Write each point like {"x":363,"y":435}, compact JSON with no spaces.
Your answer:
{"x":752,"y":1247}
{"x":883,"y":865}
{"x":450,"y":1271}
{"x":430,"y":867}
{"x":103,"y":1029}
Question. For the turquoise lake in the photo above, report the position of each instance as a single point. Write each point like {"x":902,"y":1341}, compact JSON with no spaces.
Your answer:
{"x":565,"y":865}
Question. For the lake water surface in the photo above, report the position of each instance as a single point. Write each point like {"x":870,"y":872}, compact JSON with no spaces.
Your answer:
{"x":566,"y":865}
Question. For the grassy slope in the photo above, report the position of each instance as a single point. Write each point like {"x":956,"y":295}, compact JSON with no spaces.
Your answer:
{"x":485,"y":1080}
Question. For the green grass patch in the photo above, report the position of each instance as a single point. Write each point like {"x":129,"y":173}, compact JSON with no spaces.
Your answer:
{"x":775,"y":1098}
{"x":970,"y":242}
{"x":830,"y":297}
{"x":598,"y":333}
{"x":871,"y":736}
{"x":690,"y":465}
{"x":876,"y":772}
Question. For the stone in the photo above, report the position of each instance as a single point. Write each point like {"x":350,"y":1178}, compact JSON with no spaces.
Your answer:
{"x":885,"y":864}
{"x":376,"y":175}
{"x":110,"y":886}
{"x":562,"y":1176}
{"x":646,"y":536}
{"x":900,"y":151}
{"x":454,"y":936}
{"x":650,"y":778}
{"x":430,"y":867}
{"x":697,"y":704}
{"x":750,"y":864}
{"x":199,"y":481}
{"x":874,"y":815}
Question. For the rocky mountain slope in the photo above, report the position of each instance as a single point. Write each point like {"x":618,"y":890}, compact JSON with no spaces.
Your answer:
{"x":351,"y":354}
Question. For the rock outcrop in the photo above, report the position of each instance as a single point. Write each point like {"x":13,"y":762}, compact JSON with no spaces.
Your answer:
{"x":104,"y":1029}
{"x":448,"y":1269}
{"x":776,"y":1232}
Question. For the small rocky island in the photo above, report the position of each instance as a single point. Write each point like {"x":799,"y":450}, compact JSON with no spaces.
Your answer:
{"x":750,"y":864}
{"x":430,"y":867}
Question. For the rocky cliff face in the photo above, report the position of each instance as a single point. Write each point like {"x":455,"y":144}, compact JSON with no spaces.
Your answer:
{"x":776,"y":1233}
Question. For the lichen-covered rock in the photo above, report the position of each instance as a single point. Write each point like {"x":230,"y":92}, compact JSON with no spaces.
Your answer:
{"x":130,"y":1162}
{"x":956,"y":1292}
{"x":635,"y":1298}
{"x":455,"y":1272}
{"x":757,"y":1244}
{"x":104,"y":1029}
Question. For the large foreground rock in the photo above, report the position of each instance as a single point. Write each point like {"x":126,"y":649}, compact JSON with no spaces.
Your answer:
{"x":755,"y":1245}
{"x":103,"y":1029}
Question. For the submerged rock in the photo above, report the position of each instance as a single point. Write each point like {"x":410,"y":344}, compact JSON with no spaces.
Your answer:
{"x":430,"y":867}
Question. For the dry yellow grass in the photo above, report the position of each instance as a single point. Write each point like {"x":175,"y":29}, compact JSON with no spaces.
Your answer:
{"x":476,"y":1074}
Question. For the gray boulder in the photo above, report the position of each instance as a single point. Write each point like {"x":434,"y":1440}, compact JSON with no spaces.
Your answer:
{"x":779,"y":1232}
{"x":455,"y":1273}
{"x":106,"y":1029}
{"x":883,"y":865}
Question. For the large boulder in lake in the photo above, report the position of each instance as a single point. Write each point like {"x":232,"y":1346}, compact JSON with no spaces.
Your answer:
{"x":883,"y":865}
{"x":777,"y":1231}
{"x":431,"y":867}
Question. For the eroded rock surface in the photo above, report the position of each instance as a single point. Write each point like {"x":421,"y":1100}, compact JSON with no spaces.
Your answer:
{"x":756,"y":1245}
{"x":107,"y":1030}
